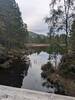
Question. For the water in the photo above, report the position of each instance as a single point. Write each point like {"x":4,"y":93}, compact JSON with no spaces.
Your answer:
{"x":33,"y":80}
{"x":28,"y":76}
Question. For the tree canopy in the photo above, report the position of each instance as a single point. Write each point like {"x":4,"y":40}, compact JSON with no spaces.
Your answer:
{"x":61,"y":18}
{"x":12,"y":29}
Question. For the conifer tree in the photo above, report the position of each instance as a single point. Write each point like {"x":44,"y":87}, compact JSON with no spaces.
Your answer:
{"x":12,"y":30}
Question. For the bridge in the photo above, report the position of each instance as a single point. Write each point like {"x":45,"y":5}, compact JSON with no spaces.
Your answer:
{"x":10,"y":93}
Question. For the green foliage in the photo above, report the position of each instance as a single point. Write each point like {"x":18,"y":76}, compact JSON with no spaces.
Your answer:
{"x":12,"y":30}
{"x":67,"y":66}
{"x":61,"y":17}
{"x":56,"y":48}
{"x":73,"y":37}
{"x":57,"y":44}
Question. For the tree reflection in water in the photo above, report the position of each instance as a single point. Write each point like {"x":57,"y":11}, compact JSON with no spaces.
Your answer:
{"x":14,"y":75}
{"x":50,"y":79}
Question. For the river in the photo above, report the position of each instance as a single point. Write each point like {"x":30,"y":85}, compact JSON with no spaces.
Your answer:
{"x":33,"y":80}
{"x":28,"y":76}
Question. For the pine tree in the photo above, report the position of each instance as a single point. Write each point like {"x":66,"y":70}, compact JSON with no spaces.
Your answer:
{"x":12,"y":30}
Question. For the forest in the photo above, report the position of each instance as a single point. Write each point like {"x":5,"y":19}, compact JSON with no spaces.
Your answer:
{"x":14,"y":34}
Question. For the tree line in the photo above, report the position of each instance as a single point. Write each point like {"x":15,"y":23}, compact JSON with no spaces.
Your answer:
{"x":61,"y":20}
{"x":13,"y":31}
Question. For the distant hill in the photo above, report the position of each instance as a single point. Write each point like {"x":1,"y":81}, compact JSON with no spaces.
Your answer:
{"x":13,"y":32}
{"x":37,"y":38}
{"x":34,"y":35}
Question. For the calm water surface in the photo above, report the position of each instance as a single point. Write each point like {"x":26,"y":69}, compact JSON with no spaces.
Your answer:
{"x":33,"y":80}
{"x":28,"y":76}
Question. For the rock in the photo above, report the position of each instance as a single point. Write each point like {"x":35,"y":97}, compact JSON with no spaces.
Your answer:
{"x":26,"y":59}
{"x":13,"y":57}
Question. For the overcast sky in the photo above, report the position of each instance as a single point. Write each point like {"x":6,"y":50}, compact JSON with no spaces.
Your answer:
{"x":33,"y":13}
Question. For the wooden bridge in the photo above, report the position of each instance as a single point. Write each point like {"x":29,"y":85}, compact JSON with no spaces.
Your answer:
{"x":10,"y":93}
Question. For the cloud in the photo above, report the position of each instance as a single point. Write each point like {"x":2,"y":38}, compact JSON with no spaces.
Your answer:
{"x":40,"y":27}
{"x":33,"y":12}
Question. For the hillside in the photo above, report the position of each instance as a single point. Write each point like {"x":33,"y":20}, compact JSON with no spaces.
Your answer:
{"x":32,"y":34}
{"x":37,"y":38}
{"x":12,"y":29}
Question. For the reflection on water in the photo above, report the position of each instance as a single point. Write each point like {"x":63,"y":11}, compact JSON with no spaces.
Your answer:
{"x":51,"y":81}
{"x":55,"y":59}
{"x":29,"y":76}
{"x":34,"y":80}
{"x":13,"y":76}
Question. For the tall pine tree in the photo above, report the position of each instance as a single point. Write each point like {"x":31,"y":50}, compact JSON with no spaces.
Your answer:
{"x":12,"y":30}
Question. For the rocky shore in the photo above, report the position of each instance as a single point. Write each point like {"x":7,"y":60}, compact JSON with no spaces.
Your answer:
{"x":14,"y":65}
{"x":7,"y":58}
